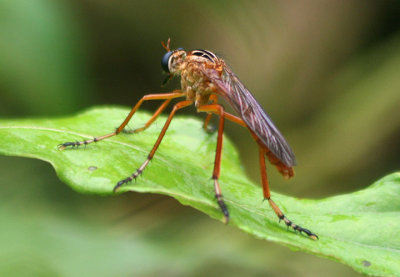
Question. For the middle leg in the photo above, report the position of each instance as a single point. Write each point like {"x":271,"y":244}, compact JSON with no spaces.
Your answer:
{"x":212,"y":100}
{"x":177,"y":106}
{"x":218,"y":109}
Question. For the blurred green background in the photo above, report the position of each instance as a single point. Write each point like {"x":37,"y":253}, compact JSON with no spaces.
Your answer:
{"x":327,"y":72}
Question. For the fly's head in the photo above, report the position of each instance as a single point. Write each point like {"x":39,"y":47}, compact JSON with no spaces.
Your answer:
{"x":173,"y":61}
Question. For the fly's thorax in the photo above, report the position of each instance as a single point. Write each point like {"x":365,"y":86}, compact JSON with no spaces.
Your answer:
{"x":198,"y":62}
{"x":193,"y":78}
{"x":203,"y":56}
{"x":196,"y":85}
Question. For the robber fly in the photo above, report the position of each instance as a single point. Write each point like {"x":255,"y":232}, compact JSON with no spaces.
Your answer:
{"x":204,"y":77}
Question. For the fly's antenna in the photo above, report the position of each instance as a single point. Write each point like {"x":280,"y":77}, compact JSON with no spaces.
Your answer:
{"x":166,"y":47}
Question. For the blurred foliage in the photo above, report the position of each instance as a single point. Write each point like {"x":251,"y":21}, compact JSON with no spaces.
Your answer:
{"x":41,"y":59}
{"x":325,"y":72}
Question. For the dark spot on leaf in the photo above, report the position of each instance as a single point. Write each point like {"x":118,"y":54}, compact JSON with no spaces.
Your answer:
{"x":366,"y":263}
{"x":92,"y":168}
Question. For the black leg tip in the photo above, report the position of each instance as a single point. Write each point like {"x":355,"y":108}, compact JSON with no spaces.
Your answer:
{"x":225,"y":220}
{"x":224,"y":210}
{"x":310,"y":234}
{"x":118,"y":185}
{"x":66,"y":144}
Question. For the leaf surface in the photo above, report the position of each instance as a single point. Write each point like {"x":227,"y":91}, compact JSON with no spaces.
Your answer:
{"x":359,"y":229}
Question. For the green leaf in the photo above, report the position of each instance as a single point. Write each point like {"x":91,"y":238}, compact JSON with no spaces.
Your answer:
{"x":359,"y":229}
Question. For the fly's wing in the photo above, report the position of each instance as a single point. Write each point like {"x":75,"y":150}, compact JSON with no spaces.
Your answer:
{"x":243,"y":102}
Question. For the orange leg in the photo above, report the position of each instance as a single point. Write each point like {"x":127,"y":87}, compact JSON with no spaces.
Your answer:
{"x":235,"y":119}
{"x":218,"y":109}
{"x":230,"y":117}
{"x":213,"y":100}
{"x":177,"y":106}
{"x":151,"y":120}
{"x":267,"y":195}
{"x":264,"y":179}
{"x":163,"y":96}
{"x":206,"y":122}
{"x":287,"y":172}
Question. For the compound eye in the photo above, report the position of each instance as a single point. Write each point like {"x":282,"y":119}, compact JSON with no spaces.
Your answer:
{"x":165,"y":61}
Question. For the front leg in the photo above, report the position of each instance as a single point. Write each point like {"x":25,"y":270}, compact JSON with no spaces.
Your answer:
{"x":150,"y":121}
{"x":163,"y":96}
